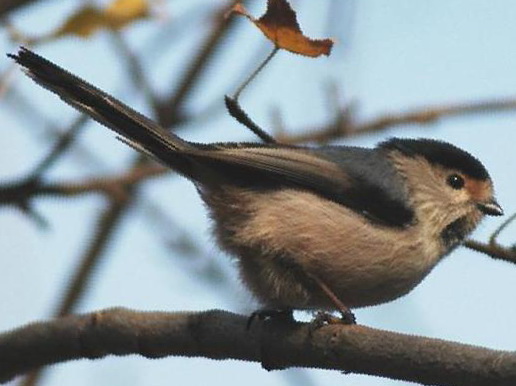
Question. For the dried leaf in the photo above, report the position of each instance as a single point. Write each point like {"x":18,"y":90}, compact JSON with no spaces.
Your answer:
{"x":83,"y":23}
{"x":88,"y":20}
{"x":123,"y":12}
{"x":279,"y":24}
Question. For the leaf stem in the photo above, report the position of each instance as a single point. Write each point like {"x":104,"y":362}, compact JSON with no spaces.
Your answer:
{"x":255,"y":73}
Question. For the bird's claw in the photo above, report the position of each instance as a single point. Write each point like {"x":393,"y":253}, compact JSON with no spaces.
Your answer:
{"x":325,"y":318}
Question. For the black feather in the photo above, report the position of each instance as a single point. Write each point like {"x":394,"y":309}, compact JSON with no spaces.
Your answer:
{"x":455,"y":233}
{"x":439,"y":153}
{"x":376,"y":189}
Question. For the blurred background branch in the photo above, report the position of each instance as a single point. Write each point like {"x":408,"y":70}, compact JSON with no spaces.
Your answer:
{"x":8,"y":6}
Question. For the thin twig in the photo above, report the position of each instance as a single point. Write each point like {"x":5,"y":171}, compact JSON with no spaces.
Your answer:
{"x":235,"y":109}
{"x":500,"y":229}
{"x":253,"y":75}
{"x":63,"y":143}
{"x":495,"y":251}
{"x":426,"y":115}
{"x":7,"y":6}
{"x":137,"y":74}
{"x":170,"y":109}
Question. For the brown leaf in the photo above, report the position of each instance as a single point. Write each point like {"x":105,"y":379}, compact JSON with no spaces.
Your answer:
{"x":279,"y":24}
{"x":122,"y":12}
{"x":88,"y":20}
{"x":82,"y":23}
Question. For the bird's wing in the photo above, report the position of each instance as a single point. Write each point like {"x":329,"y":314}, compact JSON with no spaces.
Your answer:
{"x":356,"y":178}
{"x":290,"y":165}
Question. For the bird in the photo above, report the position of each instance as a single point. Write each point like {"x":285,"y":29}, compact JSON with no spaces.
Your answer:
{"x":320,"y":228}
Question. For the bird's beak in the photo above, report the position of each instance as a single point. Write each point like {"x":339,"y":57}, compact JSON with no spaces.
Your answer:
{"x":490,"y":208}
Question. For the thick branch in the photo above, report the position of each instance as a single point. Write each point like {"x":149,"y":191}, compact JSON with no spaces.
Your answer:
{"x":277,"y":345}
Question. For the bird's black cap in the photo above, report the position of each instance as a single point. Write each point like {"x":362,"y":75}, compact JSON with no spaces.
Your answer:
{"x":440,"y":153}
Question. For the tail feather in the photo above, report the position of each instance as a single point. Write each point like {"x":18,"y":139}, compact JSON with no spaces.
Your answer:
{"x":136,"y":129}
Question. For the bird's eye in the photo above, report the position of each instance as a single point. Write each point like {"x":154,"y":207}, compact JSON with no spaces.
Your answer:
{"x":455,"y":181}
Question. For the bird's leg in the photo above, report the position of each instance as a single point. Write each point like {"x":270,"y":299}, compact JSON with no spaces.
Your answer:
{"x":347,"y":316}
{"x":285,"y":314}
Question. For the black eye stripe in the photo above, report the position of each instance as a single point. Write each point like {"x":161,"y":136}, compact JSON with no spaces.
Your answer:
{"x":455,"y":181}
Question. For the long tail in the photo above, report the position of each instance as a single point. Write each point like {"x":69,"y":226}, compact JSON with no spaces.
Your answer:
{"x":137,"y":130}
{"x":213,"y":164}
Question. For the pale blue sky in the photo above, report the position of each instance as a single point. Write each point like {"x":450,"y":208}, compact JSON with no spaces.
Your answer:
{"x":396,"y":56}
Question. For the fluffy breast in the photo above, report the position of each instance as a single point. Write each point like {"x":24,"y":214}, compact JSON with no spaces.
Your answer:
{"x":282,"y":237}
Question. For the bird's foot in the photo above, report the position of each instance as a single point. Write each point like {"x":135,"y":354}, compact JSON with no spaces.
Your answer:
{"x":276,"y":314}
{"x":348,"y":317}
{"x":323,"y":318}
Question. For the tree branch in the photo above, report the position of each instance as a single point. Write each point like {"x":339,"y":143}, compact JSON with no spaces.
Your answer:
{"x":113,"y":187}
{"x":7,"y":6}
{"x":345,"y":125}
{"x":493,"y":250}
{"x":276,"y":344}
{"x":170,"y":110}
